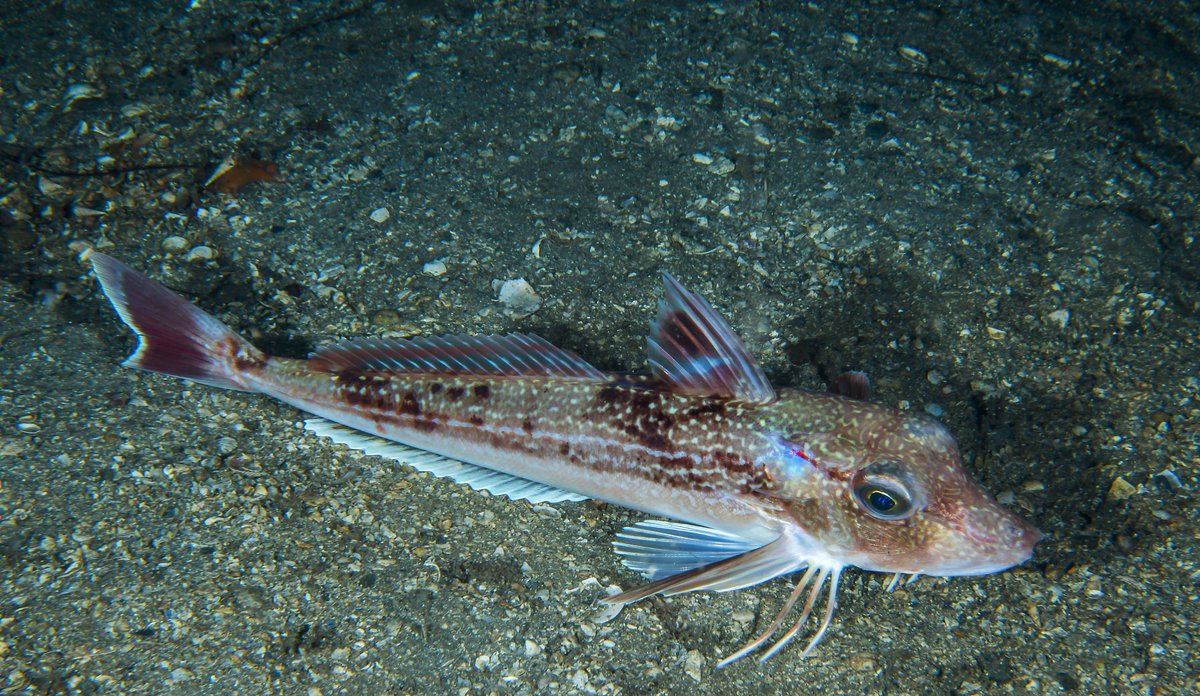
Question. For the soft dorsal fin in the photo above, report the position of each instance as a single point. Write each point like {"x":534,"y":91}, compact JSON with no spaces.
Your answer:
{"x":853,"y":384}
{"x":510,"y":355}
{"x":695,"y":351}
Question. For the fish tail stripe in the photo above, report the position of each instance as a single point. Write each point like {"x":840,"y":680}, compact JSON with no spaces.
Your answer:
{"x":174,"y":337}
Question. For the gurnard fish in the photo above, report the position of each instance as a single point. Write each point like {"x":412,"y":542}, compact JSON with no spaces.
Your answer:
{"x":755,"y":481}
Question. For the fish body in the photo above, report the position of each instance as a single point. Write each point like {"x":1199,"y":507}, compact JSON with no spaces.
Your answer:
{"x":756,"y":482}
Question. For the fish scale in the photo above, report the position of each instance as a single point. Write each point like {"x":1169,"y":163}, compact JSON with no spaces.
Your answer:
{"x":755,"y":482}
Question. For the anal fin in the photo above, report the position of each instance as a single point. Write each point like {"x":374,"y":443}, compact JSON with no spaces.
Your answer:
{"x":476,"y":477}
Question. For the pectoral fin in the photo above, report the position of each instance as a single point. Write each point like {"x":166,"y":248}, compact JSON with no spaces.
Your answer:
{"x":660,"y":548}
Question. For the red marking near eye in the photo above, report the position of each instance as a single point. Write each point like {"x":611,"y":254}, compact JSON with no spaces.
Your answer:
{"x":803,"y":454}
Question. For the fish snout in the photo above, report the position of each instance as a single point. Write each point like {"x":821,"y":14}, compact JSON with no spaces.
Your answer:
{"x":1010,"y":538}
{"x":988,"y":540}
{"x":1021,"y":533}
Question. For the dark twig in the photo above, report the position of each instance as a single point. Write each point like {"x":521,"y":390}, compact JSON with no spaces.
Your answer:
{"x":28,"y":156}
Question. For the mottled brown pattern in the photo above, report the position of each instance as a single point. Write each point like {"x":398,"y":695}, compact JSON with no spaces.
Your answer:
{"x":366,"y":391}
{"x":243,"y":360}
{"x":798,"y":457}
{"x":641,"y":412}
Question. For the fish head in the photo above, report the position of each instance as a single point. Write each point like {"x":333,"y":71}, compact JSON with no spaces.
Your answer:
{"x":886,"y":491}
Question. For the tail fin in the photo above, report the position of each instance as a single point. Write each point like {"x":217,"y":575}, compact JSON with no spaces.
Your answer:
{"x":174,"y":337}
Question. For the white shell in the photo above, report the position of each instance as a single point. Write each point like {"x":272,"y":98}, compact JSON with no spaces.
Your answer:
{"x":519,"y":297}
{"x":914,"y":55}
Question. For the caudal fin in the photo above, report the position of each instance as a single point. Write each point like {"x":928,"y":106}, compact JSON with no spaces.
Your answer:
{"x":174,"y":337}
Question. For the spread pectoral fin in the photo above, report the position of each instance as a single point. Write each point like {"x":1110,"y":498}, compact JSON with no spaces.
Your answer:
{"x":661,"y":548}
{"x":733,"y":573}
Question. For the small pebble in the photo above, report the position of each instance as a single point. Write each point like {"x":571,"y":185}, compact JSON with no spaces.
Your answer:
{"x":693,"y":665}
{"x":174,"y":244}
{"x":79,"y":91}
{"x":722,"y":166}
{"x":201,"y":253}
{"x":914,"y":55}
{"x":50,"y":188}
{"x":434,"y":268}
{"x":1057,"y":61}
{"x":380,"y":215}
{"x":386,"y":318}
{"x":1121,"y":489}
{"x":581,"y":681}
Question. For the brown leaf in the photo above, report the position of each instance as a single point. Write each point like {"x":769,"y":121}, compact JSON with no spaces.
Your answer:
{"x":230,"y":178}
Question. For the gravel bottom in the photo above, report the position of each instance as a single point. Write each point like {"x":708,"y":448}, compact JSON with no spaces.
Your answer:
{"x":991,"y":209}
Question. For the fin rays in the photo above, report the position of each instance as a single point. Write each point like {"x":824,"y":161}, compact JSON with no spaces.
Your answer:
{"x":823,"y":575}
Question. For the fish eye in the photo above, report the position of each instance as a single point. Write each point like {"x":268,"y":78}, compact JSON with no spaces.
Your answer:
{"x":885,"y":491}
{"x":882,"y":501}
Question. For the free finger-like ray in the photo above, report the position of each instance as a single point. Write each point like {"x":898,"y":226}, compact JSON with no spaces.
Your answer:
{"x":770,"y":630}
{"x":830,"y":605}
{"x":823,"y":574}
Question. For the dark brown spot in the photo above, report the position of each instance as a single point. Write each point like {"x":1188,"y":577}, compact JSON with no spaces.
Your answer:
{"x":475,"y":420}
{"x":410,"y":406}
{"x":357,"y":389}
{"x":436,"y":388}
{"x":711,"y":406}
{"x":481,"y":391}
{"x":527,"y":425}
{"x":608,"y":395}
{"x":454,"y":393}
{"x":564,"y":449}
{"x":654,"y":440}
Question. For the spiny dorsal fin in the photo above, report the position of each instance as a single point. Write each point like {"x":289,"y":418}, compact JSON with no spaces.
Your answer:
{"x":853,"y":384}
{"x":695,"y":351}
{"x":510,"y":355}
